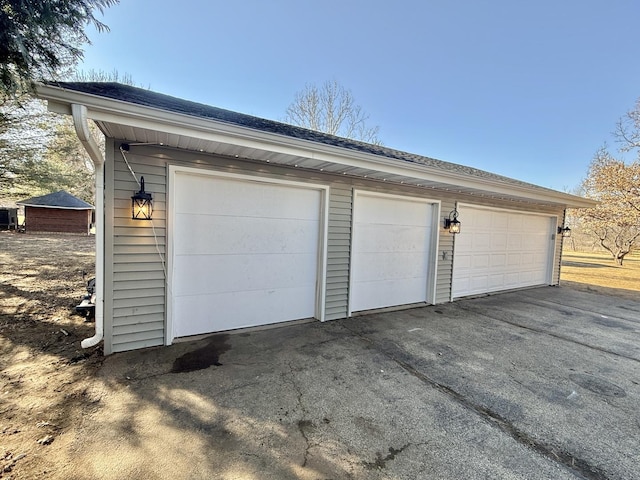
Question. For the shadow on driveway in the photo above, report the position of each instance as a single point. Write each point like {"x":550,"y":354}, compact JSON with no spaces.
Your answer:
{"x":540,"y":383}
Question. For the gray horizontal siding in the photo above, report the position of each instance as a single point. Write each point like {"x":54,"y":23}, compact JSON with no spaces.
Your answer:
{"x":133,"y":341}
{"x":136,"y":311}
{"x":338,"y":248}
{"x":558,"y":250}
{"x":444,"y":263}
{"x":135,"y":286}
{"x":138,"y":250}
{"x":137,"y":274}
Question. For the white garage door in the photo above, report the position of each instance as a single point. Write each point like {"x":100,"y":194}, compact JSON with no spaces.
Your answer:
{"x":392,"y":238}
{"x":245,"y":253}
{"x":499,"y":250}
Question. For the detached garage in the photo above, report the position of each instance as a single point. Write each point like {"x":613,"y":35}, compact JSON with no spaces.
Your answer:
{"x":256,"y":222}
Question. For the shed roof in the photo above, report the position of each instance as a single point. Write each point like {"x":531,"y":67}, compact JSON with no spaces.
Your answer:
{"x":61,"y":199}
{"x":140,"y":115}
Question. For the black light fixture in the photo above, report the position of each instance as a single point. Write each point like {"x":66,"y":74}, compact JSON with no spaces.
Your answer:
{"x":452,"y":224}
{"x":565,"y":231}
{"x":141,"y":204}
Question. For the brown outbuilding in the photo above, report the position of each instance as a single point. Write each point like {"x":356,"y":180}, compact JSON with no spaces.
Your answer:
{"x":58,"y":212}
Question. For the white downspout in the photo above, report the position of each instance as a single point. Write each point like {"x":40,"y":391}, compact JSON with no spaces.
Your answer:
{"x":79,"y":113}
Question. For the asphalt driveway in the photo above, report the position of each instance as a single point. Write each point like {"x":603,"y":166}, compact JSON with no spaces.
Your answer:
{"x":536,"y":384}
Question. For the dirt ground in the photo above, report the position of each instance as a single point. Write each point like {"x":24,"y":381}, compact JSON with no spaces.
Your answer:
{"x":46,"y":377}
{"x":44,"y":373}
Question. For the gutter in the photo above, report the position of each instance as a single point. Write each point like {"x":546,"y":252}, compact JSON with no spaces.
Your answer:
{"x":79,"y":114}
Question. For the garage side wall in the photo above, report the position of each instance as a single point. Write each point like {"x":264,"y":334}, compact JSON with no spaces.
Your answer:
{"x":134,"y":254}
{"x":135,"y":250}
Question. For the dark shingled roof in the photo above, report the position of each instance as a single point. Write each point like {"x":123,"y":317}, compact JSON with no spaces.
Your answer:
{"x":59,"y":199}
{"x":147,"y":98}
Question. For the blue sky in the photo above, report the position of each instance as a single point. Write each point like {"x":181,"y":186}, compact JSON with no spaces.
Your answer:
{"x":529,"y":90}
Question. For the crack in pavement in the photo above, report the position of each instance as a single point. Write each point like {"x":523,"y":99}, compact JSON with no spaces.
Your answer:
{"x":381,"y":462}
{"x":577,"y":465}
{"x":302,"y":424}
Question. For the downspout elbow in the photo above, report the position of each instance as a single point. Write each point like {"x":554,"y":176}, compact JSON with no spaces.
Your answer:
{"x":79,"y":114}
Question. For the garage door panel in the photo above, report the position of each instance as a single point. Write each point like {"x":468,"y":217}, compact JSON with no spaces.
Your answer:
{"x":392,"y":266}
{"x":498,"y":261}
{"x":515,"y":252}
{"x":392,"y":211}
{"x":498,"y":242}
{"x":527,"y":260}
{"x":245,"y":252}
{"x":500,"y":222}
{"x":390,"y":238}
{"x":480,"y":261}
{"x":513,"y":260}
{"x":513,"y":278}
{"x":479,"y":282}
{"x":496,"y":280}
{"x":481,"y":241}
{"x":240,"y":309}
{"x":463,"y":262}
{"x":390,"y":251}
{"x":514,"y":241}
{"x":242,"y":198}
{"x":482,"y":220}
{"x":387,"y":293}
{"x":202,"y":274}
{"x":232,"y":235}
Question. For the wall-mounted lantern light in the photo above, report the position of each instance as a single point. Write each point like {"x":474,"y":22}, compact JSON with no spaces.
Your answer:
{"x":141,"y":204}
{"x":452,"y":224}
{"x":565,"y":231}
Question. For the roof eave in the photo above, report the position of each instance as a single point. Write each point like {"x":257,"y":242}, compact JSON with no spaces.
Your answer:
{"x":54,"y":206}
{"x":103,"y":109}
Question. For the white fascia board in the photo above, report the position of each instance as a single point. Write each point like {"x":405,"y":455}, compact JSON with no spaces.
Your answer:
{"x":125,"y":113}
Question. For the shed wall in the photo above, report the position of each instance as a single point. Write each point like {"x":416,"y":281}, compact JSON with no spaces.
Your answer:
{"x":135,"y":293}
{"x":57,"y":220}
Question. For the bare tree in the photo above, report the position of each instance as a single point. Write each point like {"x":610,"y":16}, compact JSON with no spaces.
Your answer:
{"x":93,"y":75}
{"x":628,"y":130}
{"x":331,"y":108}
{"x":615,"y":221}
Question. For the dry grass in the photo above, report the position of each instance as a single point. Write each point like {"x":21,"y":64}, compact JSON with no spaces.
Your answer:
{"x":597,"y":272}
